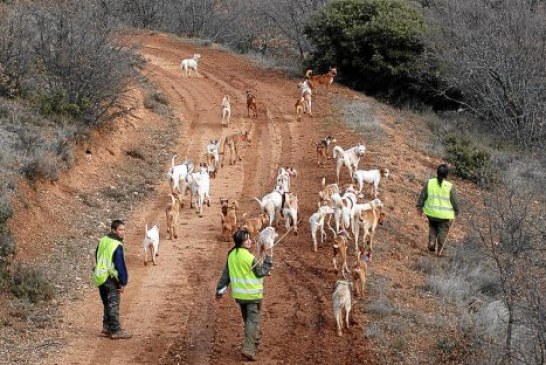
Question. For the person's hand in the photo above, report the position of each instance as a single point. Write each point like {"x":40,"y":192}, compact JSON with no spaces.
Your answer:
{"x":121,"y":289}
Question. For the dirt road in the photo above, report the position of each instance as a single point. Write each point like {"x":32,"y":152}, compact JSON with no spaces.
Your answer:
{"x":169,"y":308}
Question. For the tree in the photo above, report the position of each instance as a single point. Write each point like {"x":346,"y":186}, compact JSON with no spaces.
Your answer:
{"x":493,"y":51}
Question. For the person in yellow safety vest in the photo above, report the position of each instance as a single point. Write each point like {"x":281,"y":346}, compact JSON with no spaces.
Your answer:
{"x":110,"y":276}
{"x":438,"y":201}
{"x":244,"y":275}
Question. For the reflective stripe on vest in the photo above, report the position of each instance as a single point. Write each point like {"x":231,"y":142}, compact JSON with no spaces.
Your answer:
{"x":105,"y":265}
{"x":244,"y":283}
{"x":438,"y":203}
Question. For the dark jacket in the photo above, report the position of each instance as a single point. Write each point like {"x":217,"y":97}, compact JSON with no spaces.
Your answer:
{"x":452,"y":198}
{"x":259,"y":270}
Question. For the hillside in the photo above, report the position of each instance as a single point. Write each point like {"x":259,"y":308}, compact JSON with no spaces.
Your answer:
{"x":170,"y":308}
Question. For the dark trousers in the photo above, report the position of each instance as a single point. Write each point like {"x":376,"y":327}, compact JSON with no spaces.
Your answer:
{"x":251,"y":317}
{"x":110,"y":295}
{"x":437,"y":233}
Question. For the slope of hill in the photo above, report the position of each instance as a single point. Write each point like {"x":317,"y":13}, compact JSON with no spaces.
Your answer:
{"x":170,"y":307}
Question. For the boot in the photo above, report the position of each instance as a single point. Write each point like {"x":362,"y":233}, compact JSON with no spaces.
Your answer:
{"x":121,"y":334}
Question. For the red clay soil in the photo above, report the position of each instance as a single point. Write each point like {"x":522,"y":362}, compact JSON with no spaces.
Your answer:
{"x":170,"y":307}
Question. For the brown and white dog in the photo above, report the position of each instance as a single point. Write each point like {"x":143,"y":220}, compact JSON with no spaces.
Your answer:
{"x":228,"y":217}
{"x":231,"y":142}
{"x":367,"y":221}
{"x":324,"y":79}
{"x":251,"y":104}
{"x":358,"y":273}
{"x":305,"y":100}
{"x":340,"y":253}
{"x":322,"y":149}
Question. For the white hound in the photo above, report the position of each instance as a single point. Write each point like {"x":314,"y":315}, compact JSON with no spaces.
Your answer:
{"x":372,"y":177}
{"x":271,"y":204}
{"x":349,"y":158}
{"x":177,"y":174}
{"x":190,"y":64}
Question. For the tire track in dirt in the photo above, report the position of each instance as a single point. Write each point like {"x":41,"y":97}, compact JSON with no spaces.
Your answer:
{"x":170,"y":308}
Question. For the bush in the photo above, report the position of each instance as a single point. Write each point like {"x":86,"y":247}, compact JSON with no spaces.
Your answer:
{"x":30,"y":284}
{"x":470,"y":162}
{"x":376,"y":44}
{"x":41,"y":167}
{"x":61,"y":54}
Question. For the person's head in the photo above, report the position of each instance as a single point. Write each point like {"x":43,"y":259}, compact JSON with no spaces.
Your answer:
{"x":117,"y":228}
{"x":241,"y":238}
{"x":441,"y":172}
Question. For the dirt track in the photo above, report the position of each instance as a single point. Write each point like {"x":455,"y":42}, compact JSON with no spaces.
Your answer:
{"x":170,"y":308}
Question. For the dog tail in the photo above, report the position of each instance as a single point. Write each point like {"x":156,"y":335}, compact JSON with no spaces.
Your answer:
{"x":172,"y":161}
{"x":308,"y":74}
{"x":259,"y":202}
{"x":338,"y":152}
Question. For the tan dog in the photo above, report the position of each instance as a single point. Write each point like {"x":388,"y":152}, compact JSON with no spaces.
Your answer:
{"x":226,"y":111}
{"x":340,"y":253}
{"x":325,"y":79}
{"x":327,"y":191}
{"x":229,"y":219}
{"x":368,"y":220}
{"x":251,"y":104}
{"x":300,"y":105}
{"x":254,"y":225}
{"x":359,"y":272}
{"x":232,"y":142}
{"x":322,"y":149}
{"x":172,"y":212}
{"x":341,"y":300}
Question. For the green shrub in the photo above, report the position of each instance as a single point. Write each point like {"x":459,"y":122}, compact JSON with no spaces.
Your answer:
{"x":30,"y":284}
{"x":376,"y":44}
{"x":470,"y":161}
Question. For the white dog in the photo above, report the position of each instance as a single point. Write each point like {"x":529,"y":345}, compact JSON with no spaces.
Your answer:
{"x":226,"y":111}
{"x":290,"y":211}
{"x":265,"y":241}
{"x":190,"y":64}
{"x":341,"y":299}
{"x":284,"y":176}
{"x":349,"y":158}
{"x":151,"y":243}
{"x":317,"y":223}
{"x":271,"y":204}
{"x":213,"y":157}
{"x":177,"y":174}
{"x":200,"y":188}
{"x":373,"y":177}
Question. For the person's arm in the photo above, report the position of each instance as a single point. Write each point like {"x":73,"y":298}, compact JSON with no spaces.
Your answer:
{"x":223,"y":282}
{"x":263,"y":269}
{"x":422,"y":198}
{"x":119,"y":264}
{"x":454,"y":200}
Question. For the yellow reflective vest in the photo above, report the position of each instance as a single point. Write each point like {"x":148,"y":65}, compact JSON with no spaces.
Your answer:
{"x":245,"y":285}
{"x":438,"y":203}
{"x":105,"y":265}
